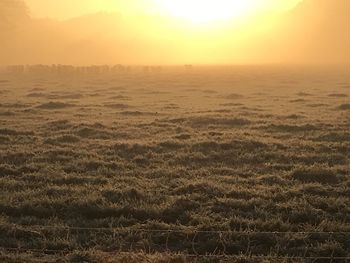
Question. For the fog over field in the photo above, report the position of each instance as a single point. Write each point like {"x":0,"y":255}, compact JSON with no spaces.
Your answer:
{"x":314,"y":32}
{"x":178,"y":135}
{"x":134,"y":150}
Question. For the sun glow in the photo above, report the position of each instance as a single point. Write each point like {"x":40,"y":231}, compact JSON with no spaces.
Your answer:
{"x":208,"y":11}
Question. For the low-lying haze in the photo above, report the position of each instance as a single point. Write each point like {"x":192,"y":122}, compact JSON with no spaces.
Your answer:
{"x":311,"y":31}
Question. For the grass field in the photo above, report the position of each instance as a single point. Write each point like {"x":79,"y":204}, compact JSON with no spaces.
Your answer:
{"x":165,"y":166}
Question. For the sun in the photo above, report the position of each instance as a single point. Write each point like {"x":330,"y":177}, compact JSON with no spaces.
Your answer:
{"x":208,"y":11}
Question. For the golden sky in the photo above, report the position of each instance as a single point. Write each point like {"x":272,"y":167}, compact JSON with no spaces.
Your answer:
{"x":175,"y":31}
{"x":198,"y":9}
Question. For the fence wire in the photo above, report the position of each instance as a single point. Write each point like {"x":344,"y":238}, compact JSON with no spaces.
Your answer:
{"x":151,"y":241}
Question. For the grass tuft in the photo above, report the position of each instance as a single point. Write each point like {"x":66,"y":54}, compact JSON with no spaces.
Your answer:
{"x":55,"y":105}
{"x":315,"y":174}
{"x":345,"y":106}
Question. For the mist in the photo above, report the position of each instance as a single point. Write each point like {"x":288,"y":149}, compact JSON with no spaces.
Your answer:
{"x":178,"y":135}
{"x":314,"y":32}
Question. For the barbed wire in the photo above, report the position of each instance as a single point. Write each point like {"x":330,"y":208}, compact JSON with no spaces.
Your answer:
{"x":222,"y":256}
{"x":142,"y":240}
{"x":184,"y":231}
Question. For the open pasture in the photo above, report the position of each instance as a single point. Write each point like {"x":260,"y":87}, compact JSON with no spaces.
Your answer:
{"x":175,"y":162}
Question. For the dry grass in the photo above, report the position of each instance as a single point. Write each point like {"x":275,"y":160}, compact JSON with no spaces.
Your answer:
{"x":246,"y":152}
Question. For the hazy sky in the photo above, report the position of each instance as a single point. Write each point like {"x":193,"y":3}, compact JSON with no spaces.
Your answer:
{"x":63,"y":9}
{"x":174,"y":31}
